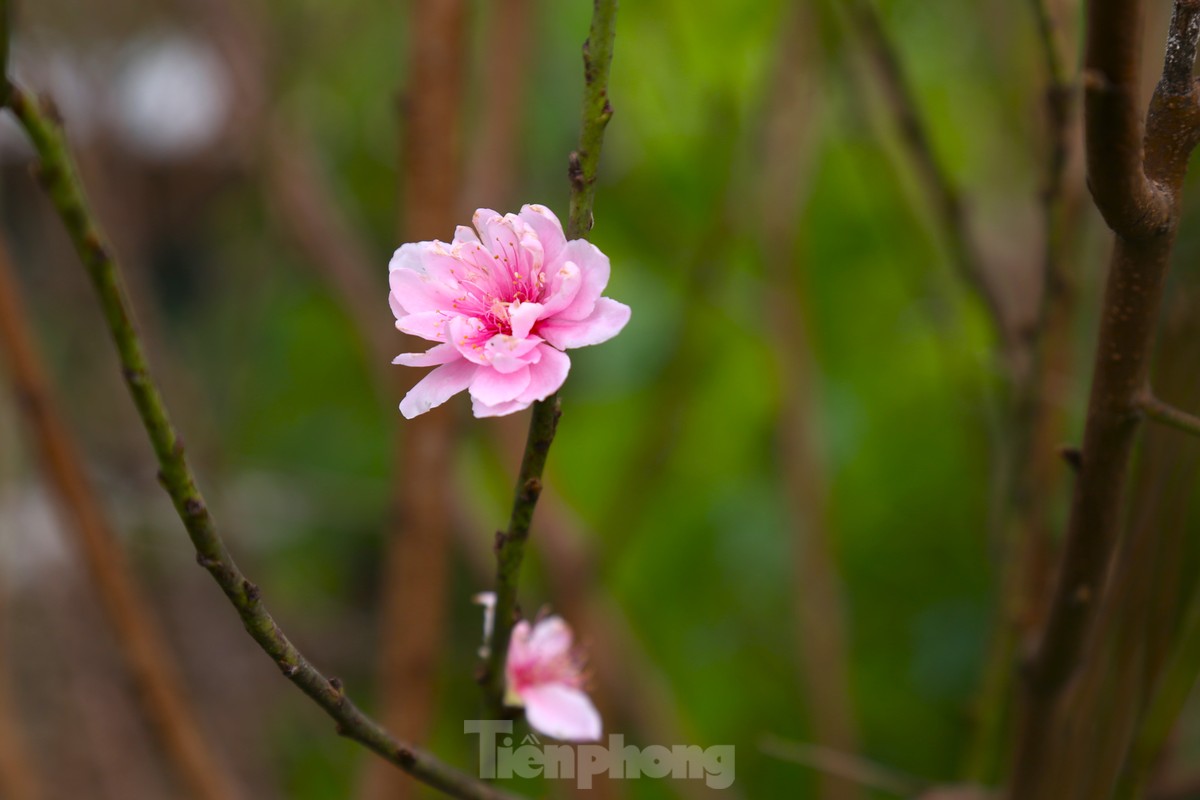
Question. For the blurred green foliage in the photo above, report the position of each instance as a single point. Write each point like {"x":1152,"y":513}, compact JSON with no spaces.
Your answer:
{"x":909,"y":390}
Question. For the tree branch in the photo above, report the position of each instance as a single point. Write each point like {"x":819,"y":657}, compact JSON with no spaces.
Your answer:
{"x":790,"y":142}
{"x":150,"y":662}
{"x":1144,"y":218}
{"x":937,"y":184}
{"x":19,"y":776}
{"x":416,"y":559}
{"x":585,"y":162}
{"x":510,"y":545}
{"x":1168,"y":415}
{"x":1130,"y":204}
{"x":845,"y":765}
{"x":175,"y":473}
{"x":582,"y":169}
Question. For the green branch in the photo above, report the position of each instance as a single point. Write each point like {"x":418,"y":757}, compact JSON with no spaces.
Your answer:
{"x":584,"y":162}
{"x":59,"y":178}
{"x":510,"y":546}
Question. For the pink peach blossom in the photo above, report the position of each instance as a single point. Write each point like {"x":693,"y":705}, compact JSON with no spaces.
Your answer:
{"x":543,"y":674}
{"x":503,"y":301}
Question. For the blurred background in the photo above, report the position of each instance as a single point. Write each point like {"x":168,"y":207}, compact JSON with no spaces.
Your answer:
{"x":781,"y":505}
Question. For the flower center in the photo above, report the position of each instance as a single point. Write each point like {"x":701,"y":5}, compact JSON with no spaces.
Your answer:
{"x":498,"y":314}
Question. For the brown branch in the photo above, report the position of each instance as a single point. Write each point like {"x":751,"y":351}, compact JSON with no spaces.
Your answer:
{"x":1142,"y":207}
{"x":1167,"y":467}
{"x":416,"y":562}
{"x":496,"y":144}
{"x":936,"y":183}
{"x":1180,"y":789}
{"x":1040,"y":393}
{"x":1168,"y":415}
{"x":147,"y":656}
{"x":789,"y":148}
{"x":299,"y":195}
{"x":845,"y":765}
{"x":19,"y":778}
{"x":59,"y":179}
{"x":1130,"y":204}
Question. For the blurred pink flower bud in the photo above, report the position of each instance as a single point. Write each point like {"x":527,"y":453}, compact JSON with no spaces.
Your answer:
{"x":503,"y":300}
{"x":544,"y":675}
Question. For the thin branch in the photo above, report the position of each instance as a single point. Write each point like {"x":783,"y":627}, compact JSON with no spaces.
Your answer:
{"x":299,"y":194}
{"x":175,"y":473}
{"x":1120,"y":188}
{"x":1128,"y":317}
{"x":1167,"y":470}
{"x":149,"y":659}
{"x":1034,"y":470}
{"x":845,"y":765}
{"x":496,"y":145}
{"x":935,"y":181}
{"x":1049,"y":41}
{"x":585,"y":162}
{"x":510,"y":545}
{"x":627,"y":685}
{"x":583,"y":166}
{"x":416,"y":559}
{"x":1168,"y":415}
{"x":790,"y":145}
{"x":1171,"y":691}
{"x":19,"y":778}
{"x":1180,"y":789}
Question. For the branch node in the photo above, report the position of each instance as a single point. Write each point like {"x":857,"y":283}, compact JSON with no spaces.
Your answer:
{"x":575,"y":170}
{"x":1096,"y":82}
{"x":532,"y":489}
{"x":1073,"y":456}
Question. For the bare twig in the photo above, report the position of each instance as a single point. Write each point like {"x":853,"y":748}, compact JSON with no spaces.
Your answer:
{"x":1037,"y":425}
{"x":788,"y":151}
{"x":1175,"y":685}
{"x":1167,"y":466}
{"x":62,"y":186}
{"x":845,"y":765}
{"x":19,"y":778}
{"x":496,"y":145}
{"x":148,"y":657}
{"x":1168,"y":415}
{"x":937,"y":184}
{"x":300,"y":195}
{"x":415,"y":568}
{"x":510,"y":545}
{"x":584,"y":163}
{"x":1139,"y":198}
{"x":583,"y":166}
